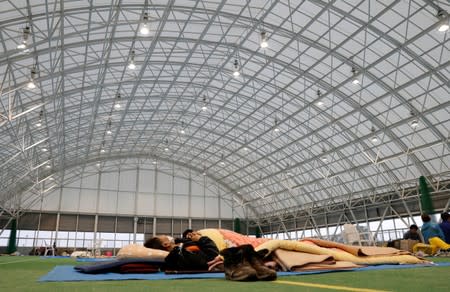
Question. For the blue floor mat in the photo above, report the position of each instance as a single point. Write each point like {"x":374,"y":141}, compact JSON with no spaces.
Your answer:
{"x":96,"y":259}
{"x":68,"y":274}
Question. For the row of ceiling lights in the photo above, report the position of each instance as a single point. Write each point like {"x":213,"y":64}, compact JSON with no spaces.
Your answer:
{"x":145,"y":30}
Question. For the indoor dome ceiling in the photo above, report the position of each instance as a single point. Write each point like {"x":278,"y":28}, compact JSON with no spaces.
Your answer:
{"x":294,"y":128}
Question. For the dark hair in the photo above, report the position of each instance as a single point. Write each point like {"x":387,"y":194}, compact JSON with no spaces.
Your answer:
{"x":186,"y":232}
{"x":414,"y":226}
{"x":445,"y":216}
{"x":425,"y":217}
{"x":155,"y":243}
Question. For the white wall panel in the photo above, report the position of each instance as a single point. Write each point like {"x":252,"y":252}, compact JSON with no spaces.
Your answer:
{"x":88,"y":201}
{"x":128,"y":180}
{"x":125,"y":203}
{"x":73,"y":184}
{"x":163,"y":205}
{"x":225,"y":209}
{"x":197,"y":188}
{"x":117,"y":194}
{"x":145,"y":206}
{"x":109,"y":180}
{"x":181,"y":206}
{"x":181,"y":186}
{"x":107,"y":202}
{"x":198,"y":207}
{"x":239,"y":211}
{"x":212,"y":207}
{"x":164,"y":184}
{"x":146,"y":181}
{"x":50,"y":201}
{"x":90,"y":181}
{"x":69,"y":200}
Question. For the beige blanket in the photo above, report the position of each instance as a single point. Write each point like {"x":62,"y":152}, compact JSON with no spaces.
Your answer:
{"x":339,"y":254}
{"x":357,"y":250}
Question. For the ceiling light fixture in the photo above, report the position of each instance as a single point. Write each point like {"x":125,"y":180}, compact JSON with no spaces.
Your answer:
{"x":31,"y":85}
{"x":102,"y":148}
{"x":98,"y":164}
{"x":415,"y":122}
{"x":48,"y":166}
{"x":324,"y":157}
{"x":117,"y":104}
{"x":182,"y":131}
{"x":355,"y":80}
{"x":236,"y":72}
{"x":44,"y":149}
{"x":108,"y":130}
{"x":319,"y":102}
{"x":39,"y":122}
{"x":264,"y":44}
{"x":245,"y":146}
{"x":204,"y":107}
{"x":374,"y":138}
{"x":222,"y":163}
{"x":144,"y":29}
{"x":23,"y":45}
{"x":166,"y":142}
{"x":131,"y":64}
{"x":276,"y":129}
{"x":443,"y":21}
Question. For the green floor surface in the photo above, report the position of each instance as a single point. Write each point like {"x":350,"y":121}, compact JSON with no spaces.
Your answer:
{"x":22,"y":273}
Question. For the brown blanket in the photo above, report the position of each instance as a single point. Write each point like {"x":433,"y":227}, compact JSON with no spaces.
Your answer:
{"x":301,"y":261}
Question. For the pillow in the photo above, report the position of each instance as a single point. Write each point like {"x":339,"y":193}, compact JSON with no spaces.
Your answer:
{"x":136,"y":251}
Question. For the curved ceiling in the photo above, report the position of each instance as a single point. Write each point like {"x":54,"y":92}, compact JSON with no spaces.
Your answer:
{"x":291,"y":130}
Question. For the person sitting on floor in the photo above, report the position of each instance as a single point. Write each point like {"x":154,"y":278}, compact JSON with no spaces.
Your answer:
{"x":193,"y":253}
{"x":445,"y":226}
{"x":412,"y":233}
{"x":432,"y":233}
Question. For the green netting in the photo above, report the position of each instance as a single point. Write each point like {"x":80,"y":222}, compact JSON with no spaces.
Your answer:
{"x":12,"y":238}
{"x":425,"y":197}
{"x":237,"y":225}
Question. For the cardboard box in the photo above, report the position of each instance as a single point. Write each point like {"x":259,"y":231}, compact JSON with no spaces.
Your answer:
{"x":407,"y":244}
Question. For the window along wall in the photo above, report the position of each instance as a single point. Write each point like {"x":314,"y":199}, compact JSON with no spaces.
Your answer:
{"x":386,"y":230}
{"x":84,"y":231}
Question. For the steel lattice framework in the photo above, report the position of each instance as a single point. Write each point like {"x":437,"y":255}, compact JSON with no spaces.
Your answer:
{"x":292,"y":132}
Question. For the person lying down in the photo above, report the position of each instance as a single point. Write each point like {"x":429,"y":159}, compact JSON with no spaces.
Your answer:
{"x":194,"y":252}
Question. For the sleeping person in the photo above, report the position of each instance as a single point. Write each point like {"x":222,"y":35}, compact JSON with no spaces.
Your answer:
{"x":192,"y":253}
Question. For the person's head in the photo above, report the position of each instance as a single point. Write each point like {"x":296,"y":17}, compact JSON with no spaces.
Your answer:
{"x":445,"y":216}
{"x":162,"y":242}
{"x":413,"y":228}
{"x":426,"y":217}
{"x":187,"y":232}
